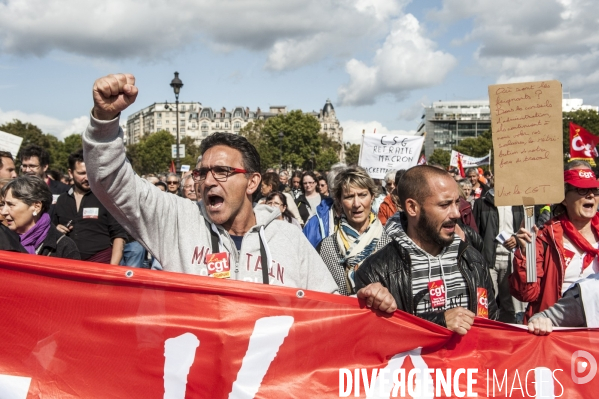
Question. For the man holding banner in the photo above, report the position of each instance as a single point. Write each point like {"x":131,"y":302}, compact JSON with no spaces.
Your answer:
{"x":428,"y":269}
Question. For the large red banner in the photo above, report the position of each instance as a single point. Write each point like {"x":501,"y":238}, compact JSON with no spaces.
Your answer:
{"x":81,"y":330}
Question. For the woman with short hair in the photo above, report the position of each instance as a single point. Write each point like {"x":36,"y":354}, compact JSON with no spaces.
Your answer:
{"x":25,"y":205}
{"x":358,"y":233}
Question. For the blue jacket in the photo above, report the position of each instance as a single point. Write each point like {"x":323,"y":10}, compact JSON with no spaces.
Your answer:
{"x":317,"y":227}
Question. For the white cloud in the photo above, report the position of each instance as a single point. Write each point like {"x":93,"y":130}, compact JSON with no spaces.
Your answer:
{"x":352,"y":130}
{"x":526,"y":40}
{"x":294,"y":32}
{"x":406,"y":61}
{"x":48,"y":124}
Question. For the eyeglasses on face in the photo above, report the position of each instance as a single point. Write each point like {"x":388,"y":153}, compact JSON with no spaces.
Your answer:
{"x":29,"y":166}
{"x":271,"y":203}
{"x":220,"y":173}
{"x":583,"y":192}
{"x":172,"y":182}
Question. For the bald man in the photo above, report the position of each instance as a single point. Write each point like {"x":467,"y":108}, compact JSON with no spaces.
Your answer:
{"x":427,"y":268}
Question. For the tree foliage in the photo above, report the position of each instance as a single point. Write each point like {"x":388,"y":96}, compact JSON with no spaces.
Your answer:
{"x":476,"y":147}
{"x":301,"y":138}
{"x":59,"y":150}
{"x":153,"y":153}
{"x":352,"y":153}
{"x":441,"y":157}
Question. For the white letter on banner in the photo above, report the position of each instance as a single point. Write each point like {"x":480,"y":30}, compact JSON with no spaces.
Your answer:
{"x":343,"y":374}
{"x":179,"y":354}
{"x":423,"y":385}
{"x":14,"y":387}
{"x":267,"y":337}
{"x":544,"y":383}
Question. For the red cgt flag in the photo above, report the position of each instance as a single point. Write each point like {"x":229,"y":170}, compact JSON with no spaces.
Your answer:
{"x":172,"y":169}
{"x":582,"y":143}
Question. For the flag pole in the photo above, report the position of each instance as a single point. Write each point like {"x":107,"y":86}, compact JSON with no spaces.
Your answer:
{"x":490,"y":162}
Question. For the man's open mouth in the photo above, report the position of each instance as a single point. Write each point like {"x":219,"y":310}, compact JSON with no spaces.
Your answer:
{"x":215,"y":202}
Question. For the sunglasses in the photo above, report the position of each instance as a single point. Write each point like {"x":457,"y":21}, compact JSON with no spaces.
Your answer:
{"x":583,"y":192}
{"x":172,"y":182}
{"x":220,"y":173}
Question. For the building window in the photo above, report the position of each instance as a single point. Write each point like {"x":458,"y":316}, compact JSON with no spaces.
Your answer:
{"x":193,"y":125}
{"x":168,"y":130}
{"x":182,"y":107}
{"x":204,"y":126}
{"x":237,"y":126}
{"x":182,"y":130}
{"x":182,"y":122}
{"x":325,"y":126}
{"x":158,"y":123}
{"x":166,"y":122}
{"x":217,"y":125}
{"x":226,"y":125}
{"x":160,"y":114}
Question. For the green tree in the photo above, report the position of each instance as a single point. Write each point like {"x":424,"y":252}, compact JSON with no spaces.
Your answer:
{"x":441,"y":157}
{"x":588,"y":119}
{"x":300,"y":138}
{"x":352,"y":153}
{"x":152,"y":154}
{"x":476,"y":147}
{"x":33,"y":135}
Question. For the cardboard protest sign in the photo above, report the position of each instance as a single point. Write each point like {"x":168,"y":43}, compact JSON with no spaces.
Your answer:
{"x":527,"y":137}
{"x":10,"y":142}
{"x":382,"y":153}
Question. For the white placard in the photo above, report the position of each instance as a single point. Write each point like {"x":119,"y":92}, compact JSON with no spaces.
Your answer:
{"x":11,"y":143}
{"x":468,"y":161}
{"x":185,"y":168}
{"x":174,"y":151}
{"x":382,"y":153}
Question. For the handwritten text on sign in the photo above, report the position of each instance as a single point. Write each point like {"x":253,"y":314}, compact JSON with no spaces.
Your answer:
{"x":527,"y":139}
{"x":382,"y":153}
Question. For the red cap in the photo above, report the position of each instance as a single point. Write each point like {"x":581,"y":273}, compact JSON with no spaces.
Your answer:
{"x":581,"y":178}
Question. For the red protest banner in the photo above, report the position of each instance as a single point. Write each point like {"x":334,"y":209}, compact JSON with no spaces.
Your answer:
{"x":81,"y":330}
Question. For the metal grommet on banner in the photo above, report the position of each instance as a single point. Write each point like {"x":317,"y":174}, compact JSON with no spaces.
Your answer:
{"x":129,"y":273}
{"x":300,"y":294}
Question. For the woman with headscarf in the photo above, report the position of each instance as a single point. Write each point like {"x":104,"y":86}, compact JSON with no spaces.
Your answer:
{"x":358,"y":233}
{"x":25,"y":205}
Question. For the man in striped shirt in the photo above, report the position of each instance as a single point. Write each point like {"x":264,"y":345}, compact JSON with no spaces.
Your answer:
{"x":429,"y":271}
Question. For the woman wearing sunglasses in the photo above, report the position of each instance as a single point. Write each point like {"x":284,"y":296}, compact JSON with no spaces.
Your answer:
{"x":566,"y":247}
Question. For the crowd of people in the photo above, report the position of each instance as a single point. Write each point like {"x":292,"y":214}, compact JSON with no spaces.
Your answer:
{"x":424,"y":240}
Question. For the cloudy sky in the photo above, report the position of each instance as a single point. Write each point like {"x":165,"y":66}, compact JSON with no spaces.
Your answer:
{"x":377,"y":60}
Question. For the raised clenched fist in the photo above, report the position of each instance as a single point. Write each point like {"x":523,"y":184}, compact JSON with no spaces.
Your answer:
{"x":112,"y":94}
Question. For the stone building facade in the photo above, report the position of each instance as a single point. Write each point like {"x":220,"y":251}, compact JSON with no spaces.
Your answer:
{"x":198,"y":122}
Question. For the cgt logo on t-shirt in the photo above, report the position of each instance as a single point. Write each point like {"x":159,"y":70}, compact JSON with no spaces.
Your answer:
{"x":218,"y":265}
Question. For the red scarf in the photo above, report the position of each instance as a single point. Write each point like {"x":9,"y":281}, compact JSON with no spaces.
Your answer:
{"x":578,"y":240}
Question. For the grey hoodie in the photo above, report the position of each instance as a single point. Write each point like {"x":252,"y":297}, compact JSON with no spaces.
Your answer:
{"x":177,"y":232}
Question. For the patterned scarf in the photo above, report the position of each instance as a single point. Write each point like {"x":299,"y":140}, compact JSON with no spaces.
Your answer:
{"x":33,"y":237}
{"x":355,"y":247}
{"x":578,"y":240}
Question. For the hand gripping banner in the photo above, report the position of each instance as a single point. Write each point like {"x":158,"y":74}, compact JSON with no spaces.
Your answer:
{"x":72,"y":329}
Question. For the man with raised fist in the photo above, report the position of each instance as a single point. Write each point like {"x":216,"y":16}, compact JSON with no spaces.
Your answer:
{"x":225,"y":236}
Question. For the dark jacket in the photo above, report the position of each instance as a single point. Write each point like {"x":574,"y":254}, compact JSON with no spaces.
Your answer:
{"x":57,"y":245}
{"x":472,"y":237}
{"x":10,"y":241}
{"x":487,"y":220}
{"x":391,"y":266}
{"x":303,"y":206}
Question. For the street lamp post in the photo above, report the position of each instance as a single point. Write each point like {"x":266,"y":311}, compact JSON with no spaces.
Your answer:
{"x":281,"y":135}
{"x":176,"y":84}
